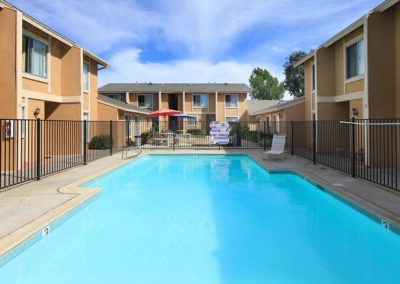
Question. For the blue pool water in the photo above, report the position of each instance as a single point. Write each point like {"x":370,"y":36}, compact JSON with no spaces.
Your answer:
{"x":209,"y":219}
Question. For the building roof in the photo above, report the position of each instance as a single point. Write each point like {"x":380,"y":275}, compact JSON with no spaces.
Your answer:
{"x":280,"y":105}
{"x":174,"y":88}
{"x":254,"y":106}
{"x":121,"y":105}
{"x":53,"y":33}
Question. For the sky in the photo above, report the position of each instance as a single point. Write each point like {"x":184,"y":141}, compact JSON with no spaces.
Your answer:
{"x":195,"y":41}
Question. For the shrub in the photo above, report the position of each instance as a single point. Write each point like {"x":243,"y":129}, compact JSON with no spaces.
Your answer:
{"x":195,"y":131}
{"x":100,"y":142}
{"x":129,"y":142}
{"x":146,"y":136}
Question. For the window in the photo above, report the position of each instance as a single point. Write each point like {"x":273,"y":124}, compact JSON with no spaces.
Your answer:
{"x":191,"y":121}
{"x":85,"y":79}
{"x":145,"y":101}
{"x":34,"y":56}
{"x":200,"y":101}
{"x":231,"y":119}
{"x":118,"y":97}
{"x":355,"y":59}
{"x":313,"y":77}
{"x":231,"y":100}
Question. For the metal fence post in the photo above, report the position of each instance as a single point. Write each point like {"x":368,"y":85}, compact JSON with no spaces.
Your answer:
{"x":85,"y":142}
{"x":173,"y":141}
{"x":314,"y":142}
{"x":38,"y":146}
{"x":353,"y":148}
{"x":264,"y":135}
{"x":111,"y":140}
{"x":292,"y":130}
{"x":239,"y":138}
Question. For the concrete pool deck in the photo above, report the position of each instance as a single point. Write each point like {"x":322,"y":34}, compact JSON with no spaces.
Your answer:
{"x":26,"y":209}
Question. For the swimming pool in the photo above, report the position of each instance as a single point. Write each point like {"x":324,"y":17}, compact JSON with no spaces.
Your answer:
{"x":209,"y":219}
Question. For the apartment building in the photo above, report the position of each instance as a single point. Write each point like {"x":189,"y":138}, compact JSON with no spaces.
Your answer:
{"x":278,"y":110}
{"x":205,"y":102}
{"x":356,"y":73}
{"x":44,"y":74}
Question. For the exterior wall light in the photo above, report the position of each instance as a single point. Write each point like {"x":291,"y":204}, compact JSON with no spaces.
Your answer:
{"x":36,"y":112}
{"x":354,"y":111}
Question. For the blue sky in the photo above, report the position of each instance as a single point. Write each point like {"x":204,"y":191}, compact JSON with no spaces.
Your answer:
{"x":195,"y":40}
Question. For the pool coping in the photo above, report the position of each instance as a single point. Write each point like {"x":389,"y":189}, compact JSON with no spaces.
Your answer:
{"x":17,"y":241}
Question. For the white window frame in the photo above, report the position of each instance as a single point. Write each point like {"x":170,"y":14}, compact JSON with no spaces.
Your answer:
{"x":201,"y":107}
{"x":48,"y":57}
{"x":88,"y":86}
{"x":146,"y":95}
{"x":348,"y":44}
{"x":237,"y":101}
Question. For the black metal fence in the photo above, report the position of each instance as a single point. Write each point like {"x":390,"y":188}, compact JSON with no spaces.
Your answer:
{"x":363,"y":148}
{"x":31,"y":149}
{"x":196,"y":135}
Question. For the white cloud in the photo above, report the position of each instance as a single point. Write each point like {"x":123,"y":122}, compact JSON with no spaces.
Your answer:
{"x":126,"y":67}
{"x":201,"y":29}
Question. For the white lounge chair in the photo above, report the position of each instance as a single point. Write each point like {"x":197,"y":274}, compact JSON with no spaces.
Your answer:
{"x":277,"y":148}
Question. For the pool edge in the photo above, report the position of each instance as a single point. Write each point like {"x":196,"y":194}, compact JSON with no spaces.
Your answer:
{"x":19,"y":240}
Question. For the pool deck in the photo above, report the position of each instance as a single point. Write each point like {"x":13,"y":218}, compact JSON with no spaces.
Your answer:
{"x":26,"y":209}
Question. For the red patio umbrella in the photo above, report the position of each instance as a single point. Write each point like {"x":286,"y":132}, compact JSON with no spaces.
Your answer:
{"x":163,"y":112}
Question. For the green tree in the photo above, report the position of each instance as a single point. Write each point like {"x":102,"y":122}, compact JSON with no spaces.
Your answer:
{"x":294,"y":82}
{"x":264,"y":86}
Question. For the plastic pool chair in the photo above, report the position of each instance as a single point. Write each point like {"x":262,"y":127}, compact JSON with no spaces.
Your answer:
{"x":277,"y":148}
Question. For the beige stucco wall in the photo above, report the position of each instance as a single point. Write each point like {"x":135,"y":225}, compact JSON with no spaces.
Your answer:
{"x":220,"y":107}
{"x":71,"y":72}
{"x":7,"y":63}
{"x":64,"y":111}
{"x":242,"y":107}
{"x":211,"y":102}
{"x":339,"y":68}
{"x":381,"y":63}
{"x":333,"y":111}
{"x":355,"y":86}
{"x":107,"y":112}
{"x":32,"y":105}
{"x":164,"y":101}
{"x":358,"y":105}
{"x":308,"y":106}
{"x":295,"y":112}
{"x":93,"y":90}
{"x":325,"y":74}
{"x":56,"y":63}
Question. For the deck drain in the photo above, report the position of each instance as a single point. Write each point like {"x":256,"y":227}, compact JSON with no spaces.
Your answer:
{"x":338,"y":184}
{"x":45,"y":231}
{"x":385,"y":224}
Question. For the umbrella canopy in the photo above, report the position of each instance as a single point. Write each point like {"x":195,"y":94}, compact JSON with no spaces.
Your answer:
{"x":163,"y":112}
{"x":183,"y":115}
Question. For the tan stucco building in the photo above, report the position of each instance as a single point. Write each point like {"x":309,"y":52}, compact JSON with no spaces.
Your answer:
{"x":279,"y":110}
{"x":205,"y":102}
{"x":356,"y":73}
{"x":44,"y":74}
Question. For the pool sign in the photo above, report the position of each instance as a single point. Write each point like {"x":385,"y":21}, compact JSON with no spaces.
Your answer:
{"x":219,"y":132}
